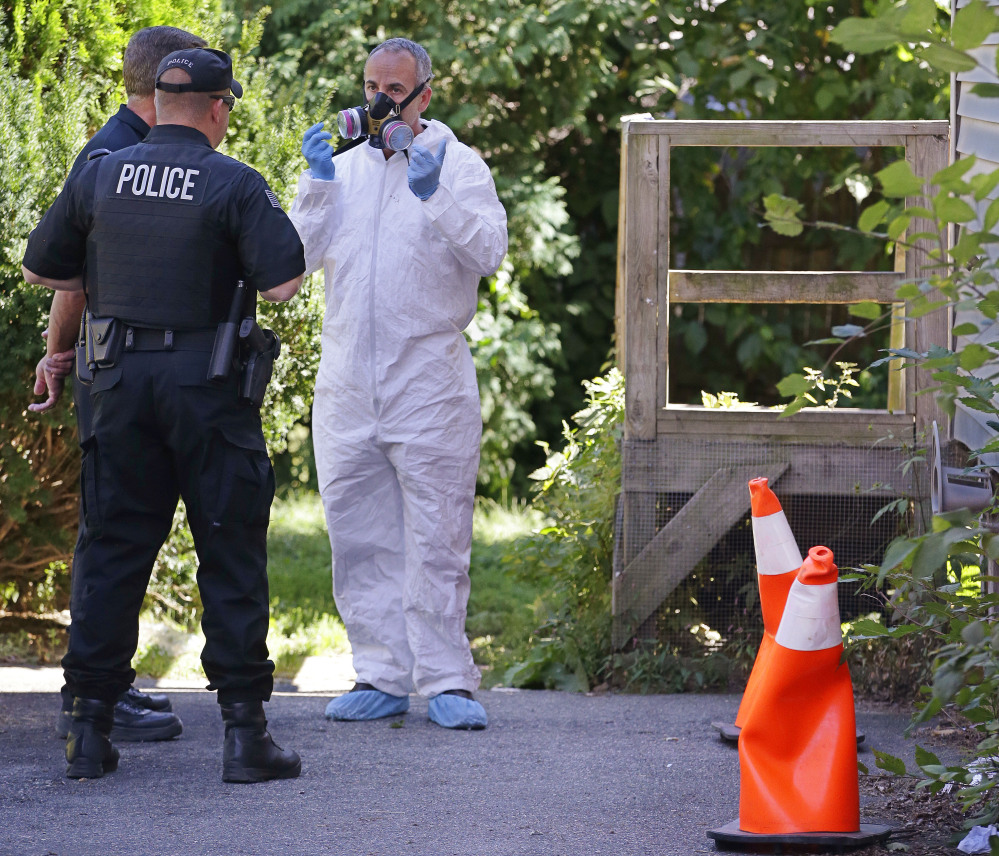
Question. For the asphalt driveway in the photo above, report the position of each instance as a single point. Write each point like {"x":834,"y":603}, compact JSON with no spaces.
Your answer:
{"x":555,"y":773}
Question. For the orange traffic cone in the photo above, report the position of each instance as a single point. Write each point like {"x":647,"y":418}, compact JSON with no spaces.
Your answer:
{"x":777,"y":563}
{"x":798,"y":748}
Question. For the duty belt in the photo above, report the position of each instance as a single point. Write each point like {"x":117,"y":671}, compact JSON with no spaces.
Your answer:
{"x":150,"y":339}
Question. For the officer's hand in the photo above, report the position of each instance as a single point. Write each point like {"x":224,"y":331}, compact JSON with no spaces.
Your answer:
{"x":424,"y":171}
{"x":50,"y":377}
{"x":318,"y":152}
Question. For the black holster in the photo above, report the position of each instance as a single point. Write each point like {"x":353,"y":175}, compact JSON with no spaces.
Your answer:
{"x":104,"y":338}
{"x":260,"y":348}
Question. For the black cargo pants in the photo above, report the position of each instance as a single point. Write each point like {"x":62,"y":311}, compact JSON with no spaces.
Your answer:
{"x":160,"y":431}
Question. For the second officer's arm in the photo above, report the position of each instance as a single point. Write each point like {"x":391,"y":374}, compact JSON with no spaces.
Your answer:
{"x":60,"y":235}
{"x":53,"y":368}
{"x":285,"y":291}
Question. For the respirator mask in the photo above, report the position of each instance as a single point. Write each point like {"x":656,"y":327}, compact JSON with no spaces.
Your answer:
{"x":380,"y":120}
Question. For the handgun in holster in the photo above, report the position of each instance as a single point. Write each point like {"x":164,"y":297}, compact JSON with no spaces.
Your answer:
{"x":240,"y":341}
{"x":261,"y":349}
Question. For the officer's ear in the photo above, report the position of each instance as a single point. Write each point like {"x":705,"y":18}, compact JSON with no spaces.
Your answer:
{"x":218,"y":108}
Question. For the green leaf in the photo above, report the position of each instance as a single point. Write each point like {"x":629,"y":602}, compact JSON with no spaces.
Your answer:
{"x":986,"y":90}
{"x":897,"y":552}
{"x":794,"y":384}
{"x":925,"y":307}
{"x":928,"y":711}
{"x":946,"y":58}
{"x":972,"y":25}
{"x":898,"y":180}
{"x":973,"y":356}
{"x":889,"y":763}
{"x":866,"y":628}
{"x":974,"y":633}
{"x":868,"y":309}
{"x":984,"y":183}
{"x":916,"y":17}
{"x":857,"y":35}
{"x":967,"y":329}
{"x":793,"y":407}
{"x":934,"y":770}
{"x":954,"y":171}
{"x":991,"y":216}
{"x":951,"y":209}
{"x":898,"y":226}
{"x":925,"y":758}
{"x":967,"y":247}
{"x":781,"y":212}
{"x":872,"y":216}
{"x":946,"y":683}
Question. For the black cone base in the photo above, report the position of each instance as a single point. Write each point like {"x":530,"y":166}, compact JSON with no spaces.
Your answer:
{"x":727,"y":731}
{"x":730,"y":733}
{"x":730,"y":834}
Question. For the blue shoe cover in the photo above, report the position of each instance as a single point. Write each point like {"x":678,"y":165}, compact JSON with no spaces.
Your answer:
{"x":454,"y":711}
{"x":366,"y":704}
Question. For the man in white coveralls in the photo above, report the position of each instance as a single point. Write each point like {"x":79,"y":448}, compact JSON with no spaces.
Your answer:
{"x":404,"y":231}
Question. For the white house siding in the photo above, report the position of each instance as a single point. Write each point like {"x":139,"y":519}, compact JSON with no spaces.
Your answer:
{"x":975,"y":131}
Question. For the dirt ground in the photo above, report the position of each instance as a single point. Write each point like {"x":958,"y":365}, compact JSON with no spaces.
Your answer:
{"x":925,"y":824}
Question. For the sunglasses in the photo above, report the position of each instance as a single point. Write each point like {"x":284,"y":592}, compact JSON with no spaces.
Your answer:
{"x":228,"y":100}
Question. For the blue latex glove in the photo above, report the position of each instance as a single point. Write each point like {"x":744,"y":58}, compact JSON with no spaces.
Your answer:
{"x":318,"y":152}
{"x":424,"y":171}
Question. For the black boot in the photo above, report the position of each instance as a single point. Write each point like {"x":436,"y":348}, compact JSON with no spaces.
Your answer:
{"x":135,"y":718}
{"x":150,"y":701}
{"x":88,"y":746}
{"x":250,"y":753}
{"x":135,"y":724}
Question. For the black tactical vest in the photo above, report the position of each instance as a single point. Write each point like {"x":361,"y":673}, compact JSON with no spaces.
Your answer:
{"x":160,"y":252}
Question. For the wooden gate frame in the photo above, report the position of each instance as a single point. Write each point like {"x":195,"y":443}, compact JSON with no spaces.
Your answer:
{"x":646,"y":286}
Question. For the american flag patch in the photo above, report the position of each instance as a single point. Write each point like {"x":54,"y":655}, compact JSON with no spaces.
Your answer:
{"x":273,"y":198}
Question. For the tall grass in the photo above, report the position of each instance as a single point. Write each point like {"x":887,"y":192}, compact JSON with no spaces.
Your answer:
{"x":304,"y":619}
{"x":503,"y":607}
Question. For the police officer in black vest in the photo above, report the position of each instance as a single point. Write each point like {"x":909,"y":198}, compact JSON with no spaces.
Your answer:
{"x":138,"y":716}
{"x":167,"y":229}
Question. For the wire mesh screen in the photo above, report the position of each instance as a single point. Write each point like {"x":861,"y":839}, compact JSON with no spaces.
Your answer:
{"x":685,"y":565}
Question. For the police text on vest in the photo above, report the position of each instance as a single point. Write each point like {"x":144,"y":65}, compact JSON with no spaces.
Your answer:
{"x":157,"y":180}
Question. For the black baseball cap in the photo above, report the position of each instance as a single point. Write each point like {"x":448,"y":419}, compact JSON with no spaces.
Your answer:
{"x":210,"y":70}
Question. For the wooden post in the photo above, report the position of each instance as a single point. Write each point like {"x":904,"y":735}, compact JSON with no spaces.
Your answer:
{"x":640,"y":300}
{"x":641,"y":293}
{"x":622,"y":261}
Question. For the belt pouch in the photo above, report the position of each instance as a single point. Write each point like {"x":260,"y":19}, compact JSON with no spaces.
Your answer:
{"x":105,"y":339}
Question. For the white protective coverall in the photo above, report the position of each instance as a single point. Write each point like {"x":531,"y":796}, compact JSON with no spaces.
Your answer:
{"x":397,"y":421}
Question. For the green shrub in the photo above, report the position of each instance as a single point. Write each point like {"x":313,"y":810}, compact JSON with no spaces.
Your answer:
{"x":39,"y":458}
{"x":64,"y":60}
{"x":570,"y":558}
